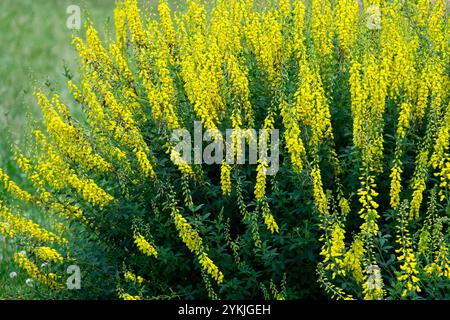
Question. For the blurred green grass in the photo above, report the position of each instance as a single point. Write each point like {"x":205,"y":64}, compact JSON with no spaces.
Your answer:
{"x":35,"y":46}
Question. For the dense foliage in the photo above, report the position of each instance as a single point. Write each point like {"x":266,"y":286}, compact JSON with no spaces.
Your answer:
{"x":358,"y":209}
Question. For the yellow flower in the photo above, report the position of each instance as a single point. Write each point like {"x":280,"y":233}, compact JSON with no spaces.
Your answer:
{"x":121,"y":62}
{"x":127,"y":296}
{"x":209,"y":266}
{"x":442,"y":141}
{"x":353,"y":260}
{"x":404,"y":120}
{"x":68,"y":138}
{"x":119,"y":21}
{"x":145,"y":247}
{"x":333,"y":251}
{"x":368,"y":211}
{"x":322,"y":27}
{"x":131,"y":277}
{"x":12,"y":188}
{"x":436,"y":25}
{"x":312,"y":107}
{"x":320,"y":198}
{"x":183,"y":166}
{"x":346,"y":13}
{"x":34,"y":272}
{"x":166,"y":23}
{"x":270,"y":222}
{"x":135,"y":23}
{"x":441,"y":263}
{"x":395,"y":185}
{"x":48,"y":254}
{"x":418,"y":183}
{"x":14,"y":224}
{"x":225,"y":178}
{"x":408,"y":275}
{"x":260,"y":187}
{"x":187,"y":233}
{"x":294,"y":143}
{"x":194,"y":242}
{"x":299,"y":28}
{"x":97,"y":52}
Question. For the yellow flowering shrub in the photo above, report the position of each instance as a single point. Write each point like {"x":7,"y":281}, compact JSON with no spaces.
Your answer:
{"x":357,"y":208}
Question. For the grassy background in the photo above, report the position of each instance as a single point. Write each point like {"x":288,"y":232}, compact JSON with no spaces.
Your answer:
{"x":35,"y":46}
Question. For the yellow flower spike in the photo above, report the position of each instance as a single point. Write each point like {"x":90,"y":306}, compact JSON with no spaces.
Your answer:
{"x":90,"y":191}
{"x":333,"y":251}
{"x":346,"y":13}
{"x":345,"y":206}
{"x":135,"y":23}
{"x":264,"y":34}
{"x":320,"y":199}
{"x":12,"y":188}
{"x":202,"y":69}
{"x":144,"y":246}
{"x":409,"y":271}
{"x":404,"y":120}
{"x":187,"y":233}
{"x":97,"y":53}
{"x":294,"y":143}
{"x":14,"y":224}
{"x":48,"y":254}
{"x":395,"y":185}
{"x":120,"y":24}
{"x":260,"y":187}
{"x":55,"y":171}
{"x":359,"y":97}
{"x":423,"y":11}
{"x":239,"y":84}
{"x":368,"y":211}
{"x":299,"y":29}
{"x":168,"y":94}
{"x":131,"y":277}
{"x":166,"y":23}
{"x":322,"y":27}
{"x":144,"y":164}
{"x":441,"y":263}
{"x":64,"y":208}
{"x":225,"y":178}
{"x":270,"y":222}
{"x":311,"y":106}
{"x":418,"y":183}
{"x":129,"y":297}
{"x":436,"y":25}
{"x":121,"y":62}
{"x":183,"y":166}
{"x":34,"y":272}
{"x":442,"y":143}
{"x":353,"y":260}
{"x":68,"y":138}
{"x":209,"y":266}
